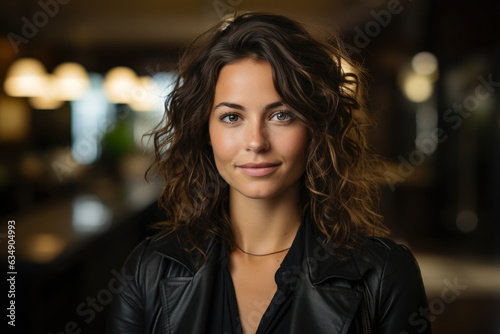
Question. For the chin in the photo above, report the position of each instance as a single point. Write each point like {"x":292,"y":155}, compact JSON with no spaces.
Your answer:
{"x":260,"y":192}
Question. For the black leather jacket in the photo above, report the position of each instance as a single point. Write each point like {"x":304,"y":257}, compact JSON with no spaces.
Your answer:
{"x":379,"y":290}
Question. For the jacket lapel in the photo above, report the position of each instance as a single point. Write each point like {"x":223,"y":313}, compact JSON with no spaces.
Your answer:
{"x":186,"y":298}
{"x":186,"y":304}
{"x":322,"y":265}
{"x":323,"y":309}
{"x":326,"y":300}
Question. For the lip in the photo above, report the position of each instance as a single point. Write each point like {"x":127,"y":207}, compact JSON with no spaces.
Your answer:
{"x":258,"y":169}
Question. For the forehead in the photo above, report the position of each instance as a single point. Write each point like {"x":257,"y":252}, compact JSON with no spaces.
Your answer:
{"x":246,"y":79}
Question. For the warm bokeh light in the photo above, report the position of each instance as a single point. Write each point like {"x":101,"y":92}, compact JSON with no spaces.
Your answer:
{"x":26,"y":77}
{"x":14,"y":119}
{"x":145,"y":95}
{"x":119,"y":84}
{"x":72,"y":81}
{"x":49,"y":99}
{"x":44,"y":247}
{"x":417,"y":88}
{"x":424,"y":63}
{"x":45,"y":103}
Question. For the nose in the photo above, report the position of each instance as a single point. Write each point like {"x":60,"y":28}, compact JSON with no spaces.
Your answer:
{"x":256,"y":138}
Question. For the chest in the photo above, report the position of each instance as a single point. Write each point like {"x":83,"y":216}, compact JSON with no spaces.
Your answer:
{"x":185,"y":304}
{"x":254,"y":286}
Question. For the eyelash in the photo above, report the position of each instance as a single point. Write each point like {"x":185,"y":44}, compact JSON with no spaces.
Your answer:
{"x":286,"y":113}
{"x":290,"y":116}
{"x":227,"y":115}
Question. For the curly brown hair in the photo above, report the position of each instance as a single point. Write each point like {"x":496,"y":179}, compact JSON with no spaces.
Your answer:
{"x":340,"y":185}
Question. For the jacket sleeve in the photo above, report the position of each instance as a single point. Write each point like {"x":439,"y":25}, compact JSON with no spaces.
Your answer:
{"x":127,"y":314}
{"x":402,"y":304}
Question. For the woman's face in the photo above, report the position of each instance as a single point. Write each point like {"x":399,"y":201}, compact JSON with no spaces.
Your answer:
{"x":258,"y":142}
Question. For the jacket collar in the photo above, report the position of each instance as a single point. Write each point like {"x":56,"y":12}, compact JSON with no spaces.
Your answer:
{"x":321,"y":263}
{"x":171,"y":246}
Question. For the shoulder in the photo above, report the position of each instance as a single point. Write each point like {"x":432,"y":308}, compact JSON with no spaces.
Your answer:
{"x":138,"y":262}
{"x":136,"y":304}
{"x":383,"y":262}
{"x":384,"y":253}
{"x":395,"y":283}
{"x":164,"y":251}
{"x":145,"y":252}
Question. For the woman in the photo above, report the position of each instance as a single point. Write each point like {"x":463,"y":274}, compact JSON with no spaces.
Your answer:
{"x":270,"y":194}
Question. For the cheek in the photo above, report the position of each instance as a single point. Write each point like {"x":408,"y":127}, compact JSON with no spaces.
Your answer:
{"x":222,"y":144}
{"x":224,"y":150}
{"x":294,"y":145}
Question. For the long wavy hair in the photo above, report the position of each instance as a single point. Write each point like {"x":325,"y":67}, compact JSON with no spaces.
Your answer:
{"x":341,"y":180}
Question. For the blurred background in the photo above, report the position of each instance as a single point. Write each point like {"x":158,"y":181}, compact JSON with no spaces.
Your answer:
{"x":82,"y":81}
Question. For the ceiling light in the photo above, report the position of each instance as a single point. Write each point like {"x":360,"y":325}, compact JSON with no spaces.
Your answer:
{"x":417,"y":88}
{"x":424,"y":63}
{"x":72,"y":81}
{"x":119,"y":83}
{"x":26,"y":77}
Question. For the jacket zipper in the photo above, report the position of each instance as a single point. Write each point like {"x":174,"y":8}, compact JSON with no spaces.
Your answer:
{"x":366,"y":315}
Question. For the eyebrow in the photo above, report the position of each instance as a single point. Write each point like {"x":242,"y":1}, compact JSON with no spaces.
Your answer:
{"x":240,"y":107}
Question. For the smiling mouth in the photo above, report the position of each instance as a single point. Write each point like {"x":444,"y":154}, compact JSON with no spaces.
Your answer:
{"x":258,"y":169}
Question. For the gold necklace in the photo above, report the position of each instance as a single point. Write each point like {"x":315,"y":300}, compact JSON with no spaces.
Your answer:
{"x":280,"y":251}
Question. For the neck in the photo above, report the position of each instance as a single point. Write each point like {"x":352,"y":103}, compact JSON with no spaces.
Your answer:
{"x":261,"y":226}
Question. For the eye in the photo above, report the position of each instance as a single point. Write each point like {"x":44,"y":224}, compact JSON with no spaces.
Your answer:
{"x":282,"y":116}
{"x":230,"y":118}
